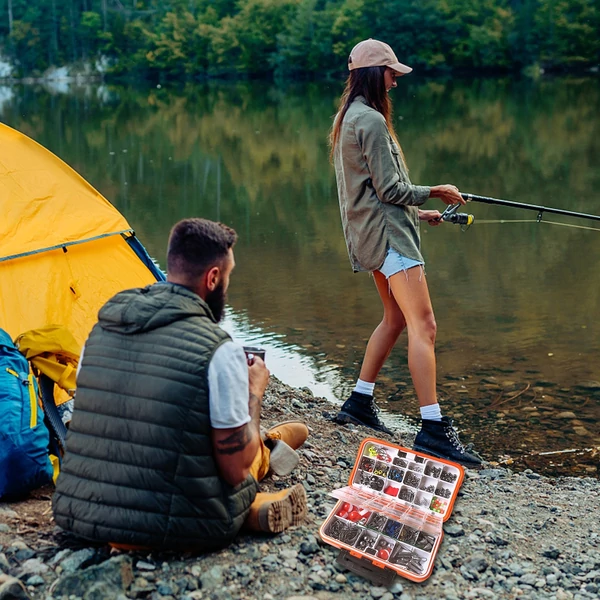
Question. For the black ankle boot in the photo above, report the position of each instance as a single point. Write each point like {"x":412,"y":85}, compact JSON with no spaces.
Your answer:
{"x":362,"y":410}
{"x":440,"y":439}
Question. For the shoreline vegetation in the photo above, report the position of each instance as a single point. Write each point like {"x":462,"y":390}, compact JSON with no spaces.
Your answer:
{"x":511,"y":535}
{"x":292,"y":39}
{"x":70,"y":75}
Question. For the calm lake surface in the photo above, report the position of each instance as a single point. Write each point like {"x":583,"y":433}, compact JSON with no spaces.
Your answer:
{"x":517,"y":303}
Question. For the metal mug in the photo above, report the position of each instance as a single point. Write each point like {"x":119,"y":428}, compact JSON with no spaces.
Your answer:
{"x":252,"y":351}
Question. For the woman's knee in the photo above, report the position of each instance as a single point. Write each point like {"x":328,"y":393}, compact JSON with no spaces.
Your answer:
{"x":394,"y":323}
{"x":425,"y":328}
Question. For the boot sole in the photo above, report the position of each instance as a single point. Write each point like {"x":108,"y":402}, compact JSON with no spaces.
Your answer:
{"x":344,"y":417}
{"x":465,"y":463}
{"x":298,"y":501}
{"x":277,"y":516}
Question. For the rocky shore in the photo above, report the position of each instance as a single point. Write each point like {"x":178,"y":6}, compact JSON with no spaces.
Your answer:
{"x":511,"y":535}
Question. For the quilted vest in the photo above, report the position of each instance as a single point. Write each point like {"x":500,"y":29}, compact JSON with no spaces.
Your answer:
{"x":139,"y":466}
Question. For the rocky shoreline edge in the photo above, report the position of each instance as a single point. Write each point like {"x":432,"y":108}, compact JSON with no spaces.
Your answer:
{"x":511,"y":535}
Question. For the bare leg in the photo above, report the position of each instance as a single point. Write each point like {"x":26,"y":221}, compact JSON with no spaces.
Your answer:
{"x":412,"y":295}
{"x":386,"y":334}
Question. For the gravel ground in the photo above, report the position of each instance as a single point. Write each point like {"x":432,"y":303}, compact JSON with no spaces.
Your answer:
{"x":511,"y":535}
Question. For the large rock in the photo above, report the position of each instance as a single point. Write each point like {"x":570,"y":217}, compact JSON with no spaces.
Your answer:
{"x":102,"y":590}
{"x":77,"y":560}
{"x":116,"y":572}
{"x":13,"y":589}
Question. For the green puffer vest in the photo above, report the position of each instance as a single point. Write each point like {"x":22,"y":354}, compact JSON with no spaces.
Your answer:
{"x":139,"y":466}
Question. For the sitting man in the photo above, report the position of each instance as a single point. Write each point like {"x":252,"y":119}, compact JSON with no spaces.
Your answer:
{"x":164,"y":450}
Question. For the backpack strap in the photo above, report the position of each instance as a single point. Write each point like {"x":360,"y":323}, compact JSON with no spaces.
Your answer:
{"x":55,"y":423}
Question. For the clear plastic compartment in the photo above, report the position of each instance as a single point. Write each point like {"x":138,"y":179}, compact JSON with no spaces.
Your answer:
{"x":379,"y":452}
{"x":416,"y":466}
{"x":449,"y":475}
{"x":438,"y":505}
{"x":433,"y":469}
{"x":426,"y":541}
{"x":409,"y":535}
{"x":391,"y":489}
{"x":377,"y":521}
{"x":369,"y":480}
{"x":361,"y":477}
{"x":428,"y":484}
{"x":376,"y":483}
{"x":367,"y":539}
{"x":443,"y":490}
{"x":401,"y":461}
{"x":406,"y":493}
{"x":423,"y":500}
{"x":412,"y":479}
{"x":384,"y":547}
{"x":410,"y":559}
{"x":343,"y":531}
{"x":392,"y":528}
{"x":367,"y":464}
{"x":396,"y":474}
{"x":381,"y":468}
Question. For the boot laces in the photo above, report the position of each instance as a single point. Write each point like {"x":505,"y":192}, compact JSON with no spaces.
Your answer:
{"x":452,"y":435}
{"x":375,"y":410}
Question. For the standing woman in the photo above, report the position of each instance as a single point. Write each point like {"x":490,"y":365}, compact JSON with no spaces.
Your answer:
{"x":380,"y":218}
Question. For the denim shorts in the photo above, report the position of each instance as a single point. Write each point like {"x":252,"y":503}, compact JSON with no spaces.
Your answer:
{"x":395,"y":262}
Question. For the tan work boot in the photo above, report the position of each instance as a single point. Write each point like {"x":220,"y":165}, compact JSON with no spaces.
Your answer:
{"x":299,"y":504}
{"x":293,"y":433}
{"x":275,"y":512}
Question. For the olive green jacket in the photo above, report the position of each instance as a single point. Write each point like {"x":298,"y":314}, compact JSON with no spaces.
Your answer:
{"x":378,"y":203}
{"x":139,"y":467}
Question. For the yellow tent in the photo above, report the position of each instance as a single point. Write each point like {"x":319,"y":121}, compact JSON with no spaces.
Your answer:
{"x":64,"y":249}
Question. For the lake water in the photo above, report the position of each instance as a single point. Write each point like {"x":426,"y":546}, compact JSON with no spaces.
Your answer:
{"x":517,"y":303}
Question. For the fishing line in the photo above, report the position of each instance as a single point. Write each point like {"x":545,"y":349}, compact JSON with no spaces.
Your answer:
{"x":502,"y":221}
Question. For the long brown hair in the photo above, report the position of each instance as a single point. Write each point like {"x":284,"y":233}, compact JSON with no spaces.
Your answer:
{"x":367,"y":82}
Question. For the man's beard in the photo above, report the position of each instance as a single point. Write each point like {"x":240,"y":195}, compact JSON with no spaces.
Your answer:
{"x":216,"y":301}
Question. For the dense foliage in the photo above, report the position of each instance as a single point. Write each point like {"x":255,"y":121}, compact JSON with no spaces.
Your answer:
{"x":191,"y":38}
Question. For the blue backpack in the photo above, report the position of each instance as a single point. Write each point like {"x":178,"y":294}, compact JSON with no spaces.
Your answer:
{"x":24,"y":438}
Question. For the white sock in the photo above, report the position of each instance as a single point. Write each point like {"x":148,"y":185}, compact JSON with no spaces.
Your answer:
{"x":431,"y":412}
{"x":364,"y":387}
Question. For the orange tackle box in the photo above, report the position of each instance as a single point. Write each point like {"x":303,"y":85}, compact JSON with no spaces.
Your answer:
{"x":389,"y":520}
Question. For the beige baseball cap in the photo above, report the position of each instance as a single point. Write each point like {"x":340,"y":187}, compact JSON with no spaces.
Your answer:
{"x":373,"y":53}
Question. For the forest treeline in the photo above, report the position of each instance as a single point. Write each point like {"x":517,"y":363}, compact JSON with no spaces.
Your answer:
{"x":187,"y":39}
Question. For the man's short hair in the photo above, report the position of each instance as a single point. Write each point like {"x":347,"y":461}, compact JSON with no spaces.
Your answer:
{"x":196,"y":245}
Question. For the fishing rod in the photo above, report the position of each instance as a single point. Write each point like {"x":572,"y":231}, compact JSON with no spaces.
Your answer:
{"x":451,"y":215}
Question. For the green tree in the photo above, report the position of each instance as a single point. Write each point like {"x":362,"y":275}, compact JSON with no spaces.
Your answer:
{"x":26,"y":44}
{"x":182,"y":39}
{"x":569,"y":31}
{"x":305,"y":49}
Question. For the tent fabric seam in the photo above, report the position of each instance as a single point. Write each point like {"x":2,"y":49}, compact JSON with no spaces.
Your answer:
{"x":64,"y":245}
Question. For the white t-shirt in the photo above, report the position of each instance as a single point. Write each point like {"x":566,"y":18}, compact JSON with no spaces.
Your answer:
{"x":227,"y":386}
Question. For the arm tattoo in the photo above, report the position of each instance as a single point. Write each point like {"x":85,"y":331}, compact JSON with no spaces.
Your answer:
{"x":236,"y":442}
{"x":254,"y":405}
